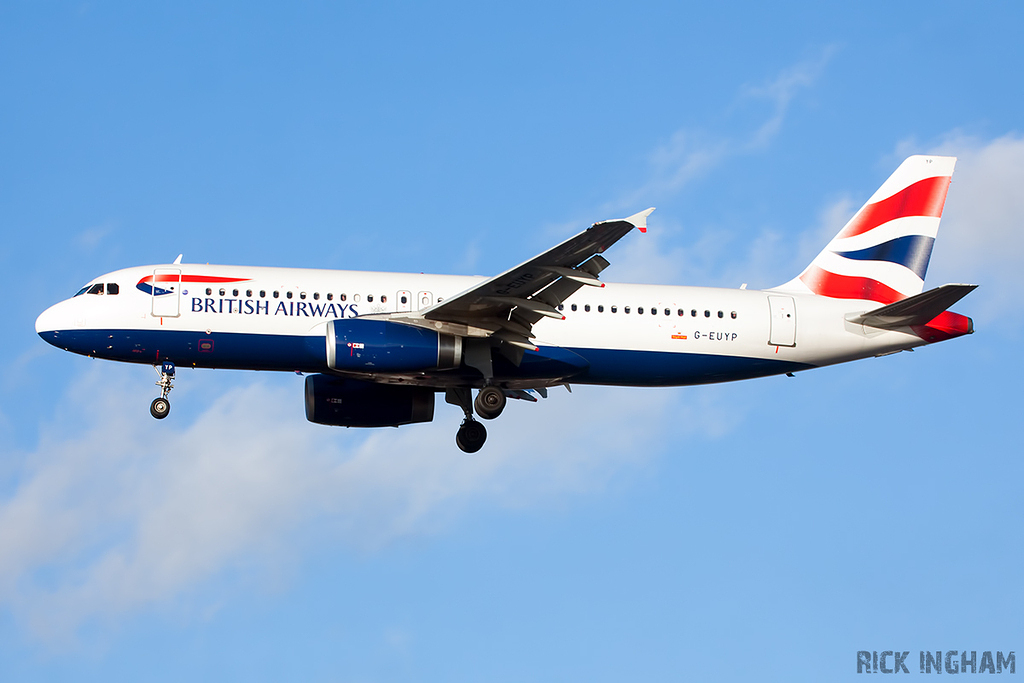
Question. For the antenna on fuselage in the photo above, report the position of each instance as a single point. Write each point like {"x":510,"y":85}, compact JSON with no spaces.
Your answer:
{"x":177,"y":261}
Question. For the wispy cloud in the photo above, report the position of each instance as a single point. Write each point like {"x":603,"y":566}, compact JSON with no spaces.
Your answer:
{"x":90,"y":238}
{"x":689,"y":154}
{"x":781,"y":91}
{"x":126,"y":513}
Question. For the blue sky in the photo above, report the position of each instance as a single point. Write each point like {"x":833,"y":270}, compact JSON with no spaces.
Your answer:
{"x":762,"y":530}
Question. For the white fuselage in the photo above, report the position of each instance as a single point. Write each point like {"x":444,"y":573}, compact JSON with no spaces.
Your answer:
{"x":275,"y":319}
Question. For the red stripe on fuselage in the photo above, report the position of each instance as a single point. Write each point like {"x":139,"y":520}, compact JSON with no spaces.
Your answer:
{"x":835,"y":286}
{"x":171,"y":277}
{"x":923,"y":198}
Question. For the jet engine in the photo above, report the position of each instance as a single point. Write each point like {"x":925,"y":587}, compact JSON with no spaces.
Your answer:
{"x":342,"y":402}
{"x":382,"y":346}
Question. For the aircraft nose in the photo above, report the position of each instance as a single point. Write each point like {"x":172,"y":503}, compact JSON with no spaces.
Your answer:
{"x":50,"y":322}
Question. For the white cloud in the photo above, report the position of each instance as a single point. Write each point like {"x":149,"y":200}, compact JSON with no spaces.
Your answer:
{"x":115,"y":512}
{"x":981,"y":239}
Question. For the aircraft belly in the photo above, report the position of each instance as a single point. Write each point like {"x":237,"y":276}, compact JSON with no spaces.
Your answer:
{"x":673,"y":368}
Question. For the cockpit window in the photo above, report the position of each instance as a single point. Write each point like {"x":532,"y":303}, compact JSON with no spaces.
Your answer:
{"x":81,"y":291}
{"x":96,"y":288}
{"x":112,"y":288}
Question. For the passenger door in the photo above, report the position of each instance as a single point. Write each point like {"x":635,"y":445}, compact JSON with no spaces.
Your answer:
{"x":166,"y":292}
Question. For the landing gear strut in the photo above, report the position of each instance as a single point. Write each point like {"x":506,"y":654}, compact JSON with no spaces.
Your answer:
{"x":160,"y":407}
{"x":471,"y":435}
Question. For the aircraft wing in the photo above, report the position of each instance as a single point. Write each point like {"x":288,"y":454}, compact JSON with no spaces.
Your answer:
{"x":506,"y":306}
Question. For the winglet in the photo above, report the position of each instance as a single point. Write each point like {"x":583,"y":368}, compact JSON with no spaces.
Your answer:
{"x":639,"y":220}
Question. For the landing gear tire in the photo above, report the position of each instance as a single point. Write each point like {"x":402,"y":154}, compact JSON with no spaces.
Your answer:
{"x":490,"y":401}
{"x":471,"y":436}
{"x":159,"y":408}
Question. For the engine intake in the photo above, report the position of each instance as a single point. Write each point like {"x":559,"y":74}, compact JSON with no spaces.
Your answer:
{"x":382,"y":346}
{"x":342,"y":402}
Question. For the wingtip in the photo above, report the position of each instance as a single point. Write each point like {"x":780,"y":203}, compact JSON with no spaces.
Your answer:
{"x":639,"y":220}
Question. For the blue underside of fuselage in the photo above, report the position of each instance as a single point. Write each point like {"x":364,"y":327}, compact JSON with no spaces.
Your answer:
{"x":308,"y":354}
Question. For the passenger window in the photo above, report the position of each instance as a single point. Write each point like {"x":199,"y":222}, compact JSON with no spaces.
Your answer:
{"x":223,"y":292}
{"x":234,"y":292}
{"x":733,"y":314}
{"x":405,"y":299}
{"x":721,"y":314}
{"x":668,"y":312}
{"x":654,"y":311}
{"x":383,"y":298}
{"x":561,"y":307}
{"x":586,"y":308}
{"x":369,"y":298}
{"x":263,"y":294}
{"x":277,"y":294}
{"x":625,"y":309}
{"x":316,"y":296}
{"x":355,"y":297}
{"x":209,"y":291}
{"x":694,"y":313}
{"x":639,"y":310}
{"x":248,"y":293}
{"x":573,"y":307}
{"x":707,"y":314}
{"x":302,"y":295}
{"x":289,"y":294}
{"x":600,"y":308}
{"x":343,"y":297}
{"x":330,"y":297}
{"x":681,"y":313}
{"x":615,"y":309}
{"x":112,"y":288}
{"x":96,"y":289}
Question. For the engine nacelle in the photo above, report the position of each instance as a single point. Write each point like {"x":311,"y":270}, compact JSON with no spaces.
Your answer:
{"x":382,"y":346}
{"x":342,"y":402}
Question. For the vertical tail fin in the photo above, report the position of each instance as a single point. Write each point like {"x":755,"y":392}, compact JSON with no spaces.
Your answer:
{"x":882,"y":253}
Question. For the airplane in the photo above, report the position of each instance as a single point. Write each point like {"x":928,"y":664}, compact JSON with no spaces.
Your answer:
{"x":377,"y":347}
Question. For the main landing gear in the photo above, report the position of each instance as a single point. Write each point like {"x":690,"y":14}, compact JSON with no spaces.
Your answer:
{"x":489,"y":403}
{"x":471,"y":435}
{"x":160,"y":407}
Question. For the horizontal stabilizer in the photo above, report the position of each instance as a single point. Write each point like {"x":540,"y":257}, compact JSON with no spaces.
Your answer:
{"x":914,"y":310}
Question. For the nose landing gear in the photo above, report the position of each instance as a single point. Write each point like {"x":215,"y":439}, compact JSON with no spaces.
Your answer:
{"x":160,"y":407}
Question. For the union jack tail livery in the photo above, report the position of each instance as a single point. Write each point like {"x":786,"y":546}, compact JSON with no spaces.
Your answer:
{"x":882,"y":254}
